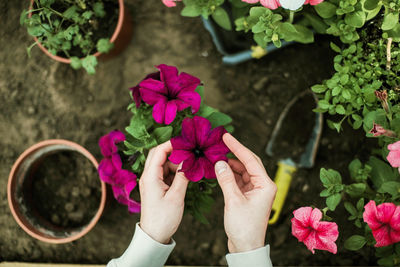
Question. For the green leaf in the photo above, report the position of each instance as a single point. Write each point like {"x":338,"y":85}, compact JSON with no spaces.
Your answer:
{"x":76,"y":63}
{"x":371,"y":4}
{"x":205,"y":111}
{"x":332,"y":201}
{"x":340,"y":110}
{"x":355,"y":190}
{"x":318,"y":88}
{"x":163,"y":134}
{"x":390,"y":187}
{"x":326,"y":9}
{"x":324,"y":104}
{"x":190,"y":11}
{"x":350,"y":208}
{"x":330,"y":177}
{"x":304,"y":35}
{"x":98,"y":9}
{"x":221,"y":17}
{"x":71,"y":12}
{"x":389,"y":21}
{"x":104,"y":45}
{"x":324,"y":193}
{"x":138,"y":131}
{"x":87,"y":14}
{"x":23,"y":17}
{"x":355,"y":19}
{"x":335,"y":48}
{"x":200,"y":90}
{"x":317,"y":23}
{"x":355,"y":242}
{"x":89,"y":63}
{"x":360,"y":204}
{"x":381,"y":172}
{"x":354,"y":167}
{"x":219,"y":119}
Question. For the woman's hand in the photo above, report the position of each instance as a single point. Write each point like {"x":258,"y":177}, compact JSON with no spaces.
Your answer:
{"x":248,"y":194}
{"x":162,"y":193}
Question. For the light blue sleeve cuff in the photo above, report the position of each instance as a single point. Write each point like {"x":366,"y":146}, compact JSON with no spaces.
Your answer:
{"x":143,"y":251}
{"x":254,"y":258}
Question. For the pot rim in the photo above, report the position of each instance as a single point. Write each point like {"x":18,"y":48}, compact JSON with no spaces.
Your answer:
{"x":17,"y":216}
{"x":97,"y":54}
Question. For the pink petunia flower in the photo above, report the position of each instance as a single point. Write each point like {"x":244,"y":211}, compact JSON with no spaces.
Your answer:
{"x":308,"y":228}
{"x":170,"y":94}
{"x":199,"y":147}
{"x":170,"y":3}
{"x":378,"y":130}
{"x":384,"y":221}
{"x":111,"y":172}
{"x":313,"y":2}
{"x":271,"y":4}
{"x":135,"y":90}
{"x":394,"y":155}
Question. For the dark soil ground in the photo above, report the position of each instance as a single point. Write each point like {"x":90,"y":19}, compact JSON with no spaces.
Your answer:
{"x":42,"y":99}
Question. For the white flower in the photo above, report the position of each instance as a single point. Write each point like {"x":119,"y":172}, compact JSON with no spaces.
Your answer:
{"x":292,"y":4}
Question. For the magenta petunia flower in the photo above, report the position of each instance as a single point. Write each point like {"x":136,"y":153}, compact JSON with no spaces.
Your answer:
{"x":308,"y":228}
{"x":199,"y":148}
{"x":170,"y":3}
{"x":378,"y":130}
{"x":110,"y":170}
{"x":136,"y":92}
{"x":170,"y":94}
{"x":384,"y":221}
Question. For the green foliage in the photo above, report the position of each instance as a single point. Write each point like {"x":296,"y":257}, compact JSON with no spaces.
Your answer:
{"x":204,"y":8}
{"x":355,"y":242}
{"x":332,"y":181}
{"x":68,"y":30}
{"x":143,"y":133}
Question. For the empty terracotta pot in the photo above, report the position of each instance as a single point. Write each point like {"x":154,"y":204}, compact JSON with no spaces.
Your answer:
{"x":20,"y":178}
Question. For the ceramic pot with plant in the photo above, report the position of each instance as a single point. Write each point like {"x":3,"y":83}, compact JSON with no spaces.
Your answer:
{"x":76,"y":32}
{"x":54,"y":192}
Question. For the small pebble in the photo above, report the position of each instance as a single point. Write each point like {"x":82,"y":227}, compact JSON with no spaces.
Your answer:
{"x":305,"y":188}
{"x":31,"y":110}
{"x":204,"y":54}
{"x":55,"y":219}
{"x":76,"y":216}
{"x":286,"y":74}
{"x":69,"y":207}
{"x":90,"y":98}
{"x":107,"y":122}
{"x":86,"y":192}
{"x":75,"y":192}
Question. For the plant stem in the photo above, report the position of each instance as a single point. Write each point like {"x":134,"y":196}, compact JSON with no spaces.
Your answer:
{"x":388,"y":53}
{"x":291,"y":16}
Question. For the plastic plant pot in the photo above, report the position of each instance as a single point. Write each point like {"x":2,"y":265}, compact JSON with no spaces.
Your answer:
{"x":238,"y":57}
{"x":17,"y":183}
{"x":121,"y":37}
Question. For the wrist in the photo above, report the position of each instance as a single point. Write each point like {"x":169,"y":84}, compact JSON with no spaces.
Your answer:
{"x":158,"y":237}
{"x":244,"y":246}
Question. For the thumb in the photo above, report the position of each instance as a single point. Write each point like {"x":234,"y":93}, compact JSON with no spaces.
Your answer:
{"x":179,"y":185}
{"x":226,"y":180}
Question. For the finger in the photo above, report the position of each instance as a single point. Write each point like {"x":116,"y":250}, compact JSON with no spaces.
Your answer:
{"x":157,"y":160}
{"x":179,"y":186}
{"x":227,"y":181}
{"x":237,"y":166}
{"x":172,"y":167}
{"x":247,"y":157}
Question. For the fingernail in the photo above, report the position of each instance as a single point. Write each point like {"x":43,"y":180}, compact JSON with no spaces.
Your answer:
{"x":220,"y":167}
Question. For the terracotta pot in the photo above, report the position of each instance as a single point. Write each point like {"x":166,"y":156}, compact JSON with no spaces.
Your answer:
{"x":121,"y":37}
{"x":45,"y":231}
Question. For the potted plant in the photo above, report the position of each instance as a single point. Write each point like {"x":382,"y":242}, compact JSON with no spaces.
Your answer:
{"x":76,"y":32}
{"x":54,"y":192}
{"x":259,"y":28}
{"x":172,"y":111}
{"x":364,"y":92}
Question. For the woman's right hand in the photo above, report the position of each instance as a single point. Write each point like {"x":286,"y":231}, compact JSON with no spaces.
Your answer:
{"x":248,"y":195}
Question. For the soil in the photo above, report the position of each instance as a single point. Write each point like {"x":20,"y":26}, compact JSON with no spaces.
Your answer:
{"x":42,"y":99}
{"x":294,"y":132}
{"x":65,"y":190}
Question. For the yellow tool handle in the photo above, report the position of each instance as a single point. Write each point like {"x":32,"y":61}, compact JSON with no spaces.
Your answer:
{"x":283,"y":179}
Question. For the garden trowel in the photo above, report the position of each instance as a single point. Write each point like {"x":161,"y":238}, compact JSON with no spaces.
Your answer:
{"x":294,"y":141}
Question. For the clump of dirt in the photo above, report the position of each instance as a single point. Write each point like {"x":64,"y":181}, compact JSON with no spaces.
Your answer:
{"x":65,"y":189}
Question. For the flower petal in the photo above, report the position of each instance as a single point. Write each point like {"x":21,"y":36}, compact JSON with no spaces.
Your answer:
{"x":188,"y":82}
{"x":382,"y":236}
{"x":202,"y":128}
{"x":180,"y":143}
{"x":192,"y":169}
{"x":395,"y":220}
{"x":170,"y":112}
{"x":271,"y":4}
{"x":291,"y":4}
{"x":150,"y":97}
{"x":133,"y":206}
{"x":328,"y":231}
{"x":316,"y":216}
{"x":299,"y":231}
{"x":394,"y":146}
{"x":108,"y":141}
{"x":370,"y":215}
{"x":311,"y":241}
{"x":303,"y":215}
{"x":217,"y":152}
{"x":189,"y":131}
{"x":159,"y":111}
{"x":106,"y":171}
{"x":154,"y":85}
{"x":191,"y":98}
{"x":385,"y":212}
{"x":325,"y":244}
{"x":215,"y":136}
{"x":208,"y":167}
{"x":169,"y":75}
{"x":394,"y":158}
{"x":123,"y":177}
{"x":177,"y":156}
{"x":116,"y":160}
